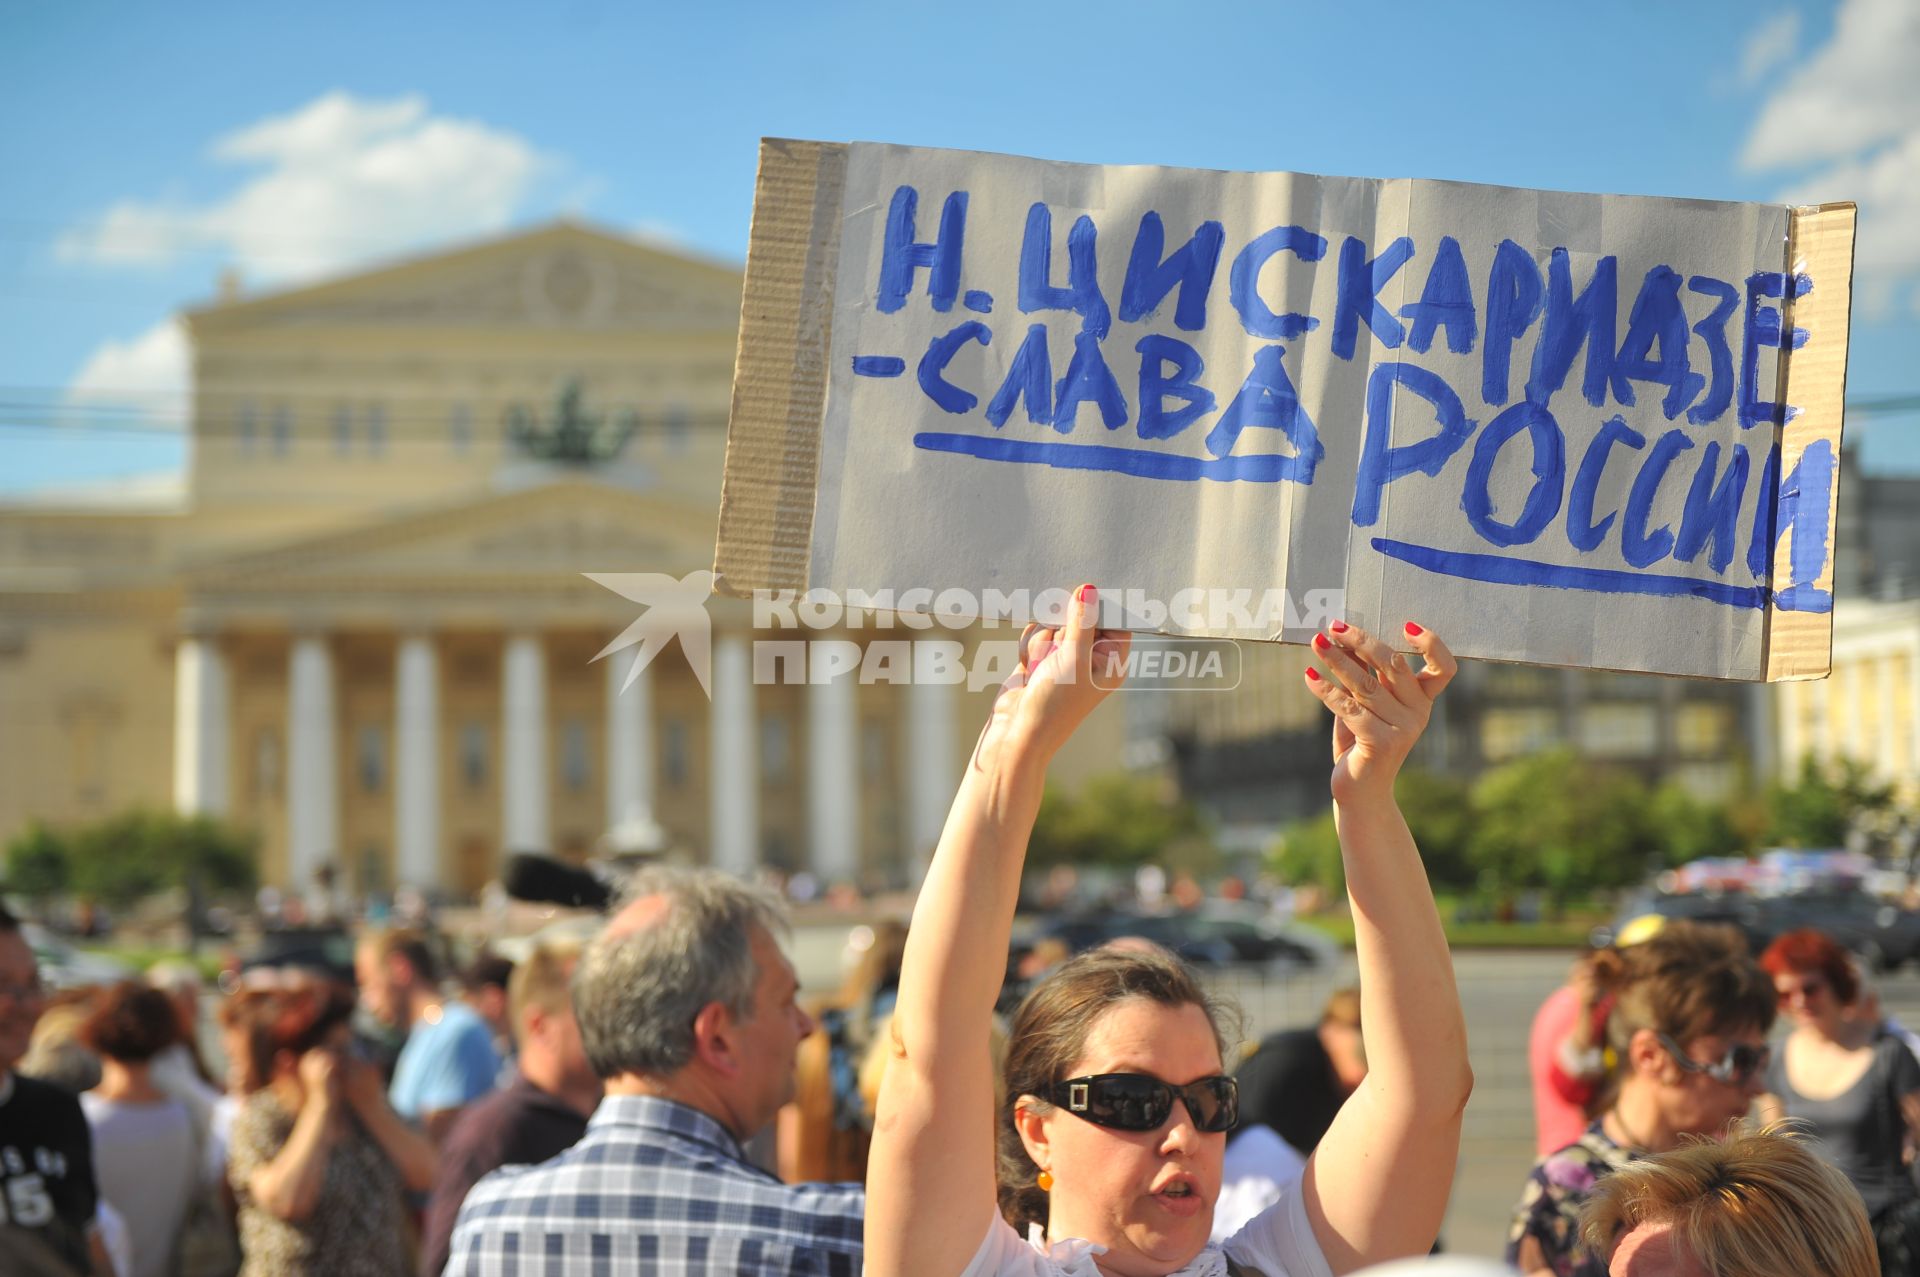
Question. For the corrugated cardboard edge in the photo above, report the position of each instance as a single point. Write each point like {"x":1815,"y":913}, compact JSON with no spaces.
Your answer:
{"x":1820,"y":244}
{"x":780,"y":369}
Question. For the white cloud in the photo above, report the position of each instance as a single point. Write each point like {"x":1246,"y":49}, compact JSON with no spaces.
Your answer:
{"x":340,"y":180}
{"x":1771,"y":43}
{"x":1847,"y":123}
{"x":143,"y":371}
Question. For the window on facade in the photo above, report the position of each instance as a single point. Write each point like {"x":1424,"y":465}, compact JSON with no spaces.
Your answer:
{"x":282,"y":430}
{"x":266,"y":763}
{"x":1511,"y":733}
{"x":376,"y":429}
{"x":373,"y":870}
{"x":370,"y":758}
{"x":473,"y":755}
{"x":460,"y":429}
{"x":1702,"y":729}
{"x":776,"y":749}
{"x":342,"y":430}
{"x":1616,"y":729}
{"x":576,"y":763}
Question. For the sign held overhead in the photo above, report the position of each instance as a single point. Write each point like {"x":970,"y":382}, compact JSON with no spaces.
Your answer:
{"x":1582,"y":430}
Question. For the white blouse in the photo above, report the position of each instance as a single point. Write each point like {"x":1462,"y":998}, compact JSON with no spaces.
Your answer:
{"x":1278,"y":1242}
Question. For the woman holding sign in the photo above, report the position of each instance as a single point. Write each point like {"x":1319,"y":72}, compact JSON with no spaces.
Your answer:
{"x":1115,"y":1104}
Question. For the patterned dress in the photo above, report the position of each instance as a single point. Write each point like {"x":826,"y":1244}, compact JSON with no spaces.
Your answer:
{"x":356,"y":1230}
{"x":1549,"y":1209}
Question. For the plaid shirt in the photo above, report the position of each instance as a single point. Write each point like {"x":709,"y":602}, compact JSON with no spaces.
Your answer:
{"x":655,"y":1187}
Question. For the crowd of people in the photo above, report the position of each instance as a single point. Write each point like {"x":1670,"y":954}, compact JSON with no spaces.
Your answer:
{"x":657,"y":1099}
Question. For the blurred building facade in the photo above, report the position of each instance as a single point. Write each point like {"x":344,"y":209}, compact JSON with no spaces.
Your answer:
{"x":1868,"y":710}
{"x":358,"y":624}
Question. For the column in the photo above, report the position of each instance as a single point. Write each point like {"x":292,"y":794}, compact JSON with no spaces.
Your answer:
{"x":933,"y":770}
{"x":201,"y":709}
{"x":524,"y":825}
{"x":629,"y":743}
{"x":313,"y":760}
{"x":416,"y":765}
{"x":833,"y":780}
{"x":733,"y":779}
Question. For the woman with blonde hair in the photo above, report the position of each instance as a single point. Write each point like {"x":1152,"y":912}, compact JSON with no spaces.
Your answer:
{"x":1762,"y":1205}
{"x":1112,"y":1131}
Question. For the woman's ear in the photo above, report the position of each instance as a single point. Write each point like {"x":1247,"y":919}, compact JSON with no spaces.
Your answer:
{"x":1032,"y":1128}
{"x":1645,"y":1056}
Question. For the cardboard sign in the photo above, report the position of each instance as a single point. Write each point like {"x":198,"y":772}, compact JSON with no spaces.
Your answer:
{"x":1580,"y":430}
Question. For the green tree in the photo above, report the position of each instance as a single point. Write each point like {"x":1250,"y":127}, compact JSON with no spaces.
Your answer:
{"x":136,"y":854}
{"x":1308,"y":852}
{"x":1557,"y":822}
{"x":1121,"y":821}
{"x":39,"y":864}
{"x":1684,"y":828}
{"x":1821,"y":806}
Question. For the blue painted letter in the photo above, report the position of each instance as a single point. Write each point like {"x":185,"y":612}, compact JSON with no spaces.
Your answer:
{"x":1446,"y":301}
{"x":1088,"y":378}
{"x":1763,"y":329}
{"x":1380,"y":462}
{"x":1267,"y":398}
{"x":1029,"y":377}
{"x":1357,"y":297}
{"x":1572,"y":321}
{"x":1192,"y":266}
{"x":1640,"y":547}
{"x":1659,"y":318}
{"x":940,"y":352}
{"x":1243,"y":281}
{"x":1713,"y":331}
{"x":1549,"y":475}
{"x":1082,"y":293}
{"x":1713,"y":510}
{"x":1514,"y":292}
{"x":1584,"y":534}
{"x":900,"y":255}
{"x":1157,"y":351}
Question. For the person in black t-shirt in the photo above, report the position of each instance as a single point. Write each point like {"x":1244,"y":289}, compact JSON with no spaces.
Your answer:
{"x":47,"y":1191}
{"x":1296,"y":1080}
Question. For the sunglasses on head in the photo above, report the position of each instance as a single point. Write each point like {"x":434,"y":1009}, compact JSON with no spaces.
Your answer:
{"x":1737,"y":1067}
{"x":1139,"y":1102}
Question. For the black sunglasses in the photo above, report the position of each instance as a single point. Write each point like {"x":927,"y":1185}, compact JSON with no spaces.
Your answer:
{"x":1736,"y":1068}
{"x":1138,"y":1102}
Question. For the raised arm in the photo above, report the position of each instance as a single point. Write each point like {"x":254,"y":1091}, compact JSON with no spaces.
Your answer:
{"x":930,"y":1184}
{"x":1377,"y":1186}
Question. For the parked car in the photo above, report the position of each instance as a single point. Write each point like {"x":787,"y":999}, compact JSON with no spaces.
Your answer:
{"x":1882,"y":935}
{"x":64,"y":967}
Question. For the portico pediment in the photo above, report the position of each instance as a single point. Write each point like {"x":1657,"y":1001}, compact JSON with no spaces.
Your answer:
{"x":556,"y":530}
{"x":561,"y":276}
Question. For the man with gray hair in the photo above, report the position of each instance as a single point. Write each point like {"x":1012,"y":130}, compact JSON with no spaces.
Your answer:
{"x":687,"y":1011}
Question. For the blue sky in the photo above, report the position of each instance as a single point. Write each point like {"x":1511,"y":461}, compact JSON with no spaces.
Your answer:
{"x":149,"y":148}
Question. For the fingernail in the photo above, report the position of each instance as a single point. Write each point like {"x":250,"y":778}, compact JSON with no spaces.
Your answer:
{"x":1414,"y":631}
{"x":1338,"y":627}
{"x":1313,"y":675}
{"x":1322,"y":642}
{"x":1084,"y":593}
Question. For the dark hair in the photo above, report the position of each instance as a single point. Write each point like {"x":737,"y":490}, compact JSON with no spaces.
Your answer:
{"x":1690,"y":981}
{"x":8,"y":923}
{"x":1050,"y":1031}
{"x":410,"y":945}
{"x":133,"y":1023}
{"x":291,"y":1020}
{"x":487,"y":970}
{"x":1811,"y":952}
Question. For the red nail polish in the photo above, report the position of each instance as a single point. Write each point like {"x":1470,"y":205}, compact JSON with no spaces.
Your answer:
{"x":1313,"y":675}
{"x":1338,"y":627}
{"x":1414,"y":631}
{"x":1322,"y":642}
{"x":1082,"y":593}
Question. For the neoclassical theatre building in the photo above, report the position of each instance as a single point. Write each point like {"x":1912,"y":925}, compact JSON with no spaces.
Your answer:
{"x":357,"y":624}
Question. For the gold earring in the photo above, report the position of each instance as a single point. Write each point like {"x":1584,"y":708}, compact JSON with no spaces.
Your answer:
{"x":1045,"y":1181}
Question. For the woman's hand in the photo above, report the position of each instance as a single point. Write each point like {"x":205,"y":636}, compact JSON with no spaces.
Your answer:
{"x":1063,"y":673}
{"x":363,"y":1088}
{"x":320,"y":1075}
{"x":1380,"y":703}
